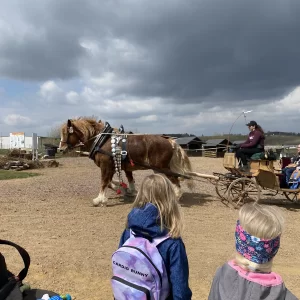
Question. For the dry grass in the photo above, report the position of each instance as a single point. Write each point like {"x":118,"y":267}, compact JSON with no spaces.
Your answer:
{"x":5,"y":175}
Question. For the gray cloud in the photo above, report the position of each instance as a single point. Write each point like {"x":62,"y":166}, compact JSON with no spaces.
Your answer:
{"x":186,"y":50}
{"x":243,"y":49}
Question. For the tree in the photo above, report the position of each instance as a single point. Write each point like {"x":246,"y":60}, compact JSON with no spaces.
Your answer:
{"x":54,"y":132}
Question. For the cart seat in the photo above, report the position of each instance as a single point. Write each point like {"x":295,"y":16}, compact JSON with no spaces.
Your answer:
{"x":261,"y":165}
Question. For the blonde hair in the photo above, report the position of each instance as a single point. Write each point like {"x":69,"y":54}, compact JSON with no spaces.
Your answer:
{"x":264,"y":222}
{"x":158,"y":190}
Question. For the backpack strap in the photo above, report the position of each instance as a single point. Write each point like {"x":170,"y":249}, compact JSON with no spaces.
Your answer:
{"x":24,"y":254}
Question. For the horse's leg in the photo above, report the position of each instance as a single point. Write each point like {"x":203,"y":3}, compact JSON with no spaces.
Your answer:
{"x":107,"y":174}
{"x":176,"y":184}
{"x":114,"y":185}
{"x":131,"y":190}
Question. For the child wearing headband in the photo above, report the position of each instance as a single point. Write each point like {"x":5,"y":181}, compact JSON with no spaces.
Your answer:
{"x":249,"y":275}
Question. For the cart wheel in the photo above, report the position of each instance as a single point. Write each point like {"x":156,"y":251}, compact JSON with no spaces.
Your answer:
{"x":293,"y":197}
{"x":222,"y":186}
{"x":243,"y":190}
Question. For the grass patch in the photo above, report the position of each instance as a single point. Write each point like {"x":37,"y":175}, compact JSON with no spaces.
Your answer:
{"x":4,"y":151}
{"x":5,"y":175}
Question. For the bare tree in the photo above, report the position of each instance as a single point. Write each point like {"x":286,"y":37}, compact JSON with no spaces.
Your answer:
{"x":54,"y":132}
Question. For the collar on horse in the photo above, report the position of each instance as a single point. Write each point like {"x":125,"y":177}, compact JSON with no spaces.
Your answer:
{"x":100,"y":140}
{"x":103,"y":137}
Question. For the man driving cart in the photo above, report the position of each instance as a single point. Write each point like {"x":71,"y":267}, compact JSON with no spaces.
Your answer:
{"x":254,"y":144}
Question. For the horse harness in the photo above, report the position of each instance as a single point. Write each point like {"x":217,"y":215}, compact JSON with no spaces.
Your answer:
{"x":118,"y":152}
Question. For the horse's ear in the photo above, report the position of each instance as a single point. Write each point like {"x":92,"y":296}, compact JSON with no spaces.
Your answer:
{"x":70,"y":126}
{"x":99,"y":121}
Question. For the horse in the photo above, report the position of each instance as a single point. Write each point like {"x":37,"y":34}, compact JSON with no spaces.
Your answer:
{"x":154,"y":152}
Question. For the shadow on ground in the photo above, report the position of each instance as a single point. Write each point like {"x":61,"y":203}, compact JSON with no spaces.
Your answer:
{"x":192,"y":199}
{"x":187,"y":200}
{"x":291,"y":206}
{"x":120,"y":200}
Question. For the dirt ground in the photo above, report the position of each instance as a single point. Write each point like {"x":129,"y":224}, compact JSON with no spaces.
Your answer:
{"x":71,"y":242}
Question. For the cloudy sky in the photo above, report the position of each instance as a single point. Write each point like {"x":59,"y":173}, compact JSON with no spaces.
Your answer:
{"x":154,"y":66}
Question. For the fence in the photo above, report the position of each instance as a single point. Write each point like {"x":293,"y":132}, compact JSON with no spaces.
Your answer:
{"x":281,"y":151}
{"x":206,"y":152}
{"x":47,"y":140}
{"x":210,"y":153}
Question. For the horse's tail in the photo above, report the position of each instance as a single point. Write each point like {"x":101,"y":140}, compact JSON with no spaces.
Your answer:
{"x":180,"y":162}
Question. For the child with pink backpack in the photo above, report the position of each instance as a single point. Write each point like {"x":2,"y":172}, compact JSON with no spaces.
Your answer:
{"x":151,"y":262}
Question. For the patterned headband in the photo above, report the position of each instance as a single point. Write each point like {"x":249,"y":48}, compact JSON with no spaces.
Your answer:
{"x":257,"y":250}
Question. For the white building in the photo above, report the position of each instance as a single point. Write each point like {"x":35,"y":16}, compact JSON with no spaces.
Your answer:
{"x":7,"y":143}
{"x":19,"y":140}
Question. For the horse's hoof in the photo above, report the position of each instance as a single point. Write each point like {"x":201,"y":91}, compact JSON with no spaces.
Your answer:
{"x":131,"y":193}
{"x":100,"y":200}
{"x":96,"y":202}
{"x":128,"y":198}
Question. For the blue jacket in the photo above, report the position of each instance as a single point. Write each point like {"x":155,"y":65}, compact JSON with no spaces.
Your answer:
{"x":143,"y":221}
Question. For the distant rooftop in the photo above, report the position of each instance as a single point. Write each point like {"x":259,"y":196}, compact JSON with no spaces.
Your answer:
{"x":188,"y":139}
{"x":215,"y":142}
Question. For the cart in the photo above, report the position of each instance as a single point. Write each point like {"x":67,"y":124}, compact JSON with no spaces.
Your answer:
{"x":236,"y":188}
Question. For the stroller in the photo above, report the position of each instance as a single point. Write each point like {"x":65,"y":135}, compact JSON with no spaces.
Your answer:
{"x":12,"y":287}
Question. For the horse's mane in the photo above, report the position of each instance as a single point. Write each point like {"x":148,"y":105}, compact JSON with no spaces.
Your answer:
{"x":89,"y":127}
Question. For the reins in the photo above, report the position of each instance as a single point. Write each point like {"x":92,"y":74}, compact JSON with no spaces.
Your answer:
{"x":104,"y":133}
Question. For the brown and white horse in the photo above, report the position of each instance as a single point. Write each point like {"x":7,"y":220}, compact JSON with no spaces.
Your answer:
{"x":145,"y":152}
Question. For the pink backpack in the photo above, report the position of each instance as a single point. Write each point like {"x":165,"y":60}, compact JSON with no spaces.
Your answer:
{"x":139,"y":271}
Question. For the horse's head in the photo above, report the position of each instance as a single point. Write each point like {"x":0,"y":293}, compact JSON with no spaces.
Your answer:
{"x":70,"y":137}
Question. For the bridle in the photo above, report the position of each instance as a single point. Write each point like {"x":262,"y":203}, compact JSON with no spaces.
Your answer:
{"x":70,"y":130}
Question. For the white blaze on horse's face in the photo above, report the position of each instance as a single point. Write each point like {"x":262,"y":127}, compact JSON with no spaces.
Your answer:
{"x":63,"y":146}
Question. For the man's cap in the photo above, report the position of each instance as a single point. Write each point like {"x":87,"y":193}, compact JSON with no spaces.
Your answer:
{"x":251,"y":123}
